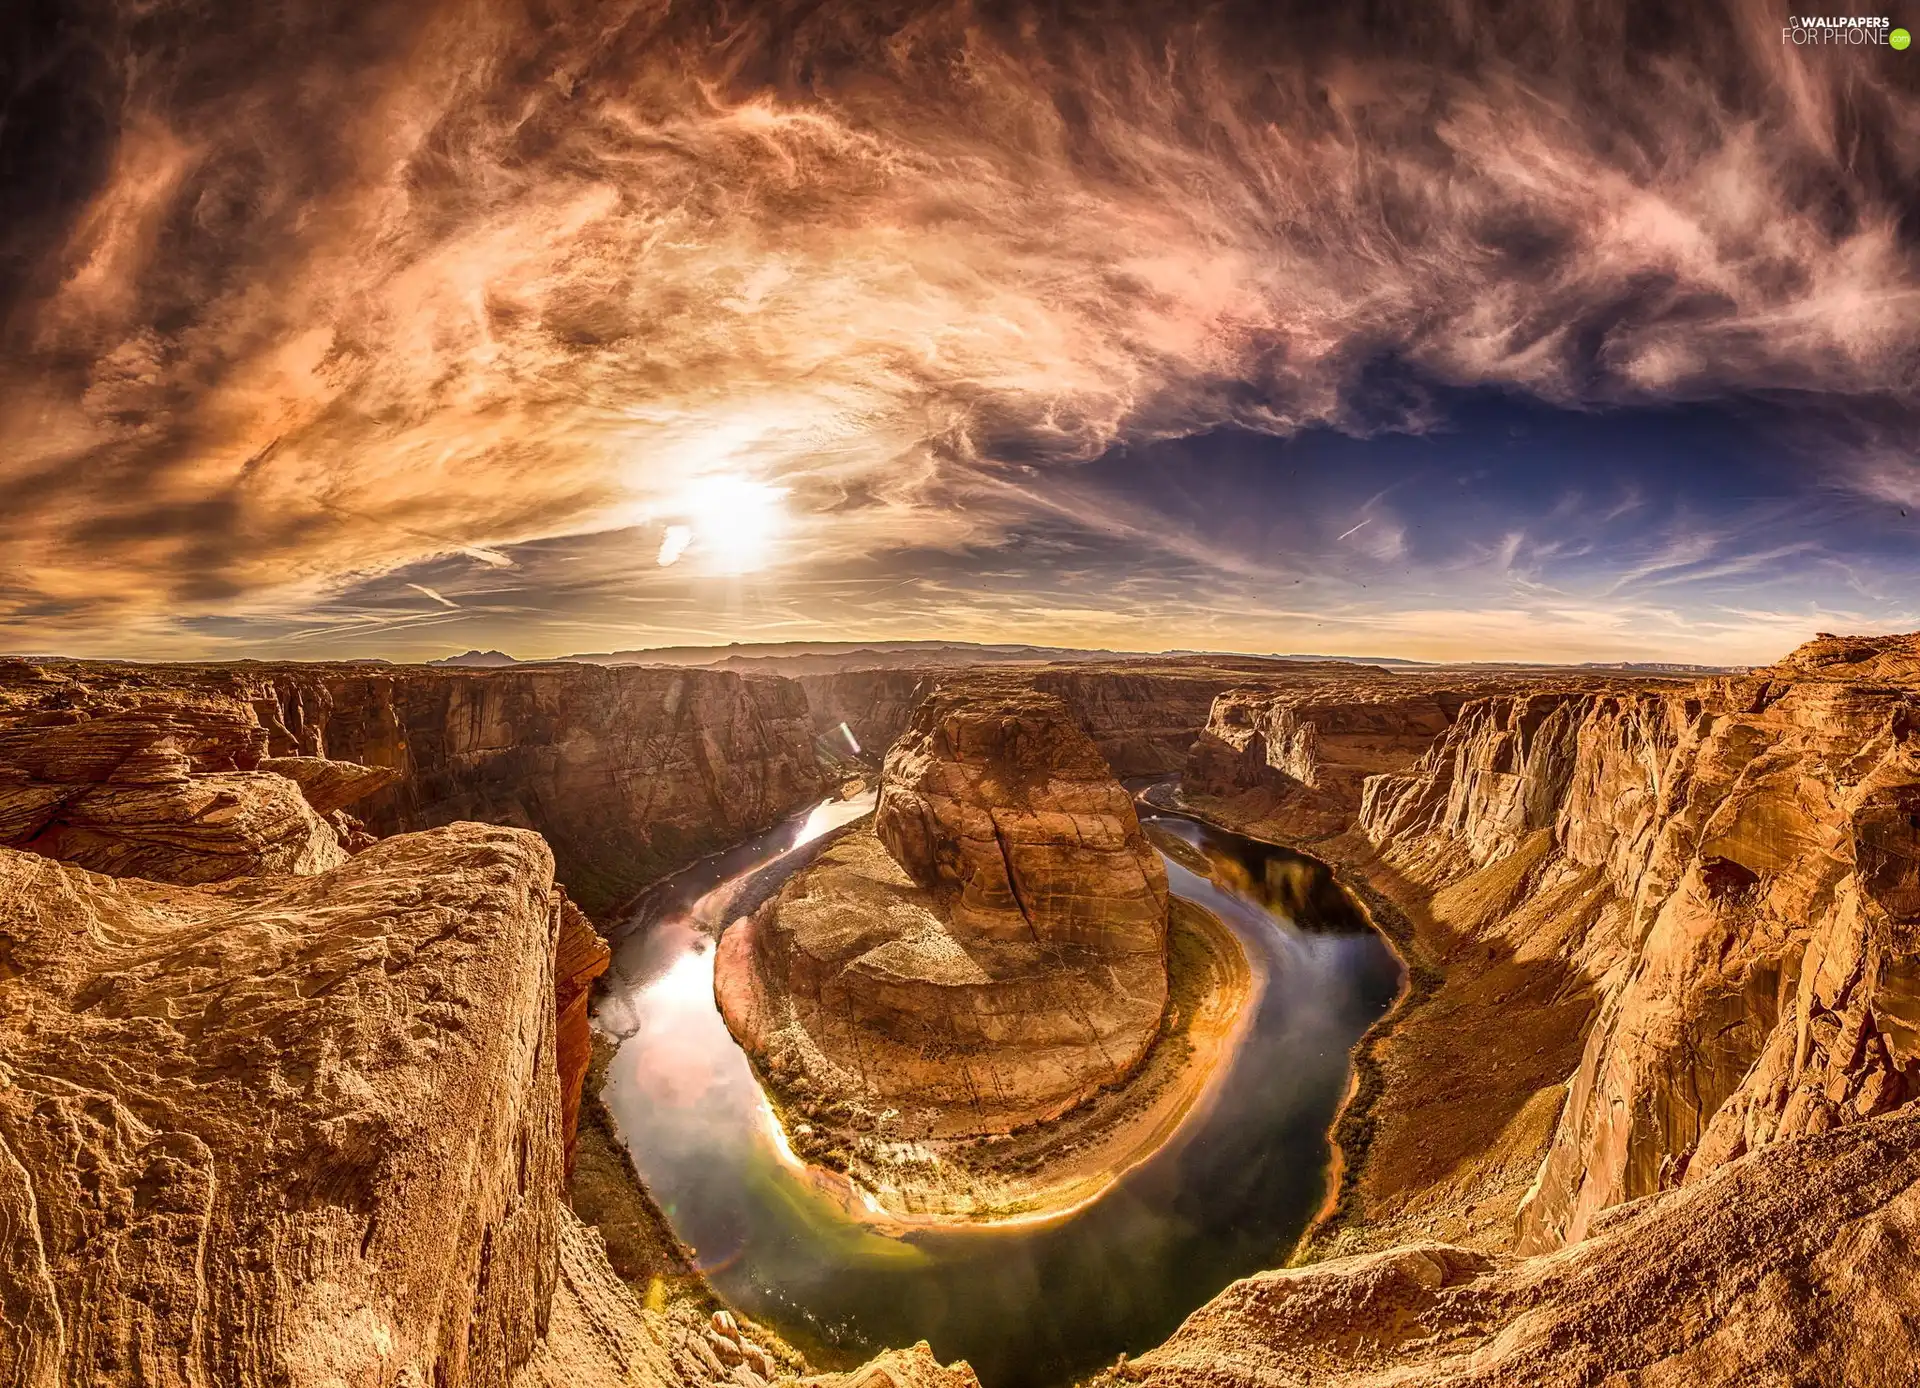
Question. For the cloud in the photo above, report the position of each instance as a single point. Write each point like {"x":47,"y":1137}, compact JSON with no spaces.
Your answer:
{"x":431,"y":593}
{"x":673,"y":543}
{"x":328,"y":294}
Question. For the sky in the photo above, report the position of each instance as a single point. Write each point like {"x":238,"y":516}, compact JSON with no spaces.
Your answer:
{"x":1532,"y":331}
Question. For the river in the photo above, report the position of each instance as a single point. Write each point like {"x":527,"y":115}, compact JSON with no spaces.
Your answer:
{"x":1028,"y":1306}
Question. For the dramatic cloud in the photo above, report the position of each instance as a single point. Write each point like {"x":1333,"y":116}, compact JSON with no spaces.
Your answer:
{"x":619,"y":321}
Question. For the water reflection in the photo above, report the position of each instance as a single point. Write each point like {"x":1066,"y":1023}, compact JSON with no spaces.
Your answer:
{"x":1028,"y":1306}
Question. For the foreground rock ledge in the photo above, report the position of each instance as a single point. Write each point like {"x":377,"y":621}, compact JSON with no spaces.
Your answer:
{"x":283,"y":1130}
{"x":307,"y":1132}
{"x":1795,"y":1266}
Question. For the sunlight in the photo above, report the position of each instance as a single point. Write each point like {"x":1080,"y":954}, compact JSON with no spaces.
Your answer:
{"x":731,"y":525}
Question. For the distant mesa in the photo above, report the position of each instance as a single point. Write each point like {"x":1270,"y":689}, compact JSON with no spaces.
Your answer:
{"x":477,"y":658}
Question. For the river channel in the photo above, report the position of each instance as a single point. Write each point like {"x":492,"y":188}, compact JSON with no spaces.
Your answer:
{"x":1029,"y":1306}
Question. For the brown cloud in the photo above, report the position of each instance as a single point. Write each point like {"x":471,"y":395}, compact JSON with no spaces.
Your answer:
{"x":354,"y":290}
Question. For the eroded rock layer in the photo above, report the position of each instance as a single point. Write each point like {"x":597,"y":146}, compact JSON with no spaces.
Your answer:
{"x":1672,"y":919}
{"x":629,"y":772}
{"x":1142,"y":714}
{"x":283,"y":1130}
{"x":171,"y":784}
{"x":987,"y":954}
{"x":1750,"y":845}
{"x":1797,"y":1267}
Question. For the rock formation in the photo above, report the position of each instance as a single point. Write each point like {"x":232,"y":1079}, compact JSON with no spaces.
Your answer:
{"x":1142,"y":714}
{"x":988,"y":954}
{"x":1306,"y":751}
{"x":579,"y":957}
{"x":1671,"y":918}
{"x":284,"y":1129}
{"x":1751,"y":845}
{"x":167,"y":784}
{"x":1298,"y":751}
{"x":307,"y":1131}
{"x":874,"y":704}
{"x":1797,"y":1267}
{"x":629,"y":772}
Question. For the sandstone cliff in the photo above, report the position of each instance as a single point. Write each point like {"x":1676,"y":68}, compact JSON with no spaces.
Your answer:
{"x":173,"y":785}
{"x":1796,"y":1267}
{"x":287,"y":1129}
{"x":1737,"y":860}
{"x":1304,"y":752}
{"x":629,"y":772}
{"x":874,"y":704}
{"x":988,"y":954}
{"x":307,"y":1131}
{"x":1143,"y":715}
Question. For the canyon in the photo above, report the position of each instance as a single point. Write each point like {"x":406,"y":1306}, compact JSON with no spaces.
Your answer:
{"x":293,"y":981}
{"x":987,"y":955}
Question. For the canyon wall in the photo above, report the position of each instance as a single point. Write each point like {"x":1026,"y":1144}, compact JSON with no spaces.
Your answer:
{"x":164,"y":784}
{"x":874,"y":704}
{"x":629,"y":772}
{"x":1304,"y":753}
{"x":986,"y":954}
{"x":1747,"y":849}
{"x":1142,"y":718}
{"x":1797,"y":1267}
{"x":1143,"y":715}
{"x":282,"y":1130}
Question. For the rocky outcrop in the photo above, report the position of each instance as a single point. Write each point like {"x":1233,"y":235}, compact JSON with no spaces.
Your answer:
{"x":1144,"y":717}
{"x":988,"y":954}
{"x":1743,"y":855}
{"x":307,"y":1131}
{"x":172,"y":785}
{"x":629,"y":772}
{"x":1795,"y":1267}
{"x":874,"y":704}
{"x":1305,"y":752}
{"x":284,"y":1130}
{"x":579,"y":957}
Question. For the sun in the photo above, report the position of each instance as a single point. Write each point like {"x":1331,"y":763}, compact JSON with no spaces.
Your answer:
{"x":729,"y":524}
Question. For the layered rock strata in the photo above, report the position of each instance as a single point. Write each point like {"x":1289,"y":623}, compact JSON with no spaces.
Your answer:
{"x":1673,"y":924}
{"x":284,"y":1129}
{"x":1297,"y":753}
{"x":172,"y":785}
{"x":988,"y":954}
{"x":1143,"y":715}
{"x":579,"y":957}
{"x":1795,"y":1267}
{"x":1749,"y":849}
{"x":629,"y":772}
